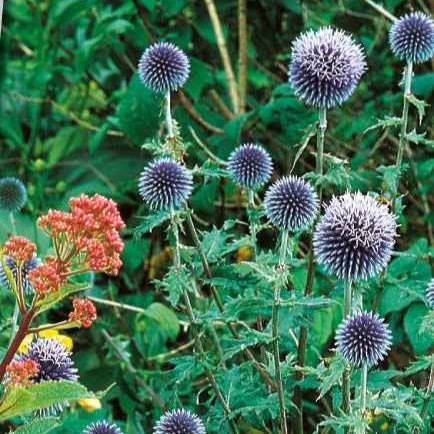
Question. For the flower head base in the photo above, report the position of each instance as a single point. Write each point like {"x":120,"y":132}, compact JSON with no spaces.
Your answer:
{"x":13,"y":194}
{"x":84,"y":312}
{"x":250,"y":166}
{"x":20,"y":372}
{"x":291,"y":204}
{"x":165,"y":184}
{"x":19,"y":248}
{"x":179,"y":421}
{"x":430,"y":293}
{"x":164,"y":67}
{"x":325,"y":67}
{"x":411,"y":38}
{"x":363,"y":339}
{"x":355,"y":237}
{"x":102,"y":427}
{"x":12,"y":265}
{"x":45,"y":279}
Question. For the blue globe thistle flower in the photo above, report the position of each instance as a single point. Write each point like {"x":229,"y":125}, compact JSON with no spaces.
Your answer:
{"x":13,"y":194}
{"x":291,"y":203}
{"x":430,"y":293}
{"x":165,"y":184}
{"x":179,"y":421}
{"x":411,"y":38}
{"x":164,"y":67}
{"x":250,"y":166}
{"x":355,"y":237}
{"x":363,"y":339}
{"x":325,"y":67}
{"x":102,"y":427}
{"x":12,"y":265}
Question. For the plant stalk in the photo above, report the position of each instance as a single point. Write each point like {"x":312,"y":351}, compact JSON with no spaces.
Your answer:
{"x":168,"y":117}
{"x":346,"y":384}
{"x":408,"y":71}
{"x":429,"y":393}
{"x":275,"y":332}
{"x":363,"y":390}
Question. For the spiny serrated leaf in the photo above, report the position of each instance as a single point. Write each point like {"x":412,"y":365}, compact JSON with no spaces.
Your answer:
{"x":419,"y":104}
{"x":387,"y":122}
{"x":150,"y":222}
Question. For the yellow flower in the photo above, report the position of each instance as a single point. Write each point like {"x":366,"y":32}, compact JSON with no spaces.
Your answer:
{"x":65,"y":340}
{"x":90,"y":404}
{"x":384,"y":426}
{"x":244,"y":253}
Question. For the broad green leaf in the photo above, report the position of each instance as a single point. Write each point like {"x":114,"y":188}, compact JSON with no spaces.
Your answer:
{"x":164,"y":316}
{"x":412,"y":323}
{"x":39,"y":426}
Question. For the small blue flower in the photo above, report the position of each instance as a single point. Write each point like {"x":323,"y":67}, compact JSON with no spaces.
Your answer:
{"x":165,"y":184}
{"x":291,"y":204}
{"x":363,"y":339}
{"x":13,"y":194}
{"x":179,"y":421}
{"x":164,"y":67}
{"x":250,"y":166}
{"x":411,"y":38}
{"x":430,"y":293}
{"x":325,"y":67}
{"x":12,"y":265}
{"x":102,"y":427}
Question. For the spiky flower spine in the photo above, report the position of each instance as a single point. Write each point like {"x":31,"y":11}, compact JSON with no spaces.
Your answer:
{"x":13,"y":194}
{"x":179,"y":421}
{"x":250,"y":166}
{"x":411,"y":38}
{"x":102,"y":427}
{"x":363,"y":339}
{"x":28,"y":265}
{"x":164,"y":67}
{"x":291,"y":204}
{"x":325,"y":67}
{"x":355,"y":237}
{"x":165,"y":184}
{"x":430,"y":293}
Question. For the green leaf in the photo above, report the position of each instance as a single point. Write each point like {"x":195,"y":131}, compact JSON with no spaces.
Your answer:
{"x":414,"y":137}
{"x":164,"y":316}
{"x":387,"y":122}
{"x":39,"y":426}
{"x":419,"y":104}
{"x":24,"y":400}
{"x":150,"y":222}
{"x":331,"y":376}
{"x":412,"y":322}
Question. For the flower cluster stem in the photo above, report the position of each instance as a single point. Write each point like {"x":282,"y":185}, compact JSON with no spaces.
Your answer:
{"x":346,"y":384}
{"x":275,"y":332}
{"x":408,"y":71}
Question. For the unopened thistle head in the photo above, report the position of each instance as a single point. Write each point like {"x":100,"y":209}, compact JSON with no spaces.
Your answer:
{"x":291,"y":204}
{"x":325,"y":67}
{"x":13,"y":194}
{"x":179,"y":421}
{"x":411,"y":38}
{"x":430,"y":293}
{"x":363,"y":339}
{"x":27,"y":266}
{"x":164,"y":67}
{"x":165,"y":184}
{"x":250,"y":166}
{"x":355,"y":237}
{"x":102,"y":427}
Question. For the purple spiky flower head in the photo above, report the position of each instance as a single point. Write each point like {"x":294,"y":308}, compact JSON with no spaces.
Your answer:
{"x":250,"y":166}
{"x":13,"y":194}
{"x":12,"y":265}
{"x":325,"y":67}
{"x":102,"y":427}
{"x":165,"y":184}
{"x":179,"y":421}
{"x":291,"y":204}
{"x":430,"y":293}
{"x":164,"y":67}
{"x":355,"y":237}
{"x":363,"y":339}
{"x":411,"y":37}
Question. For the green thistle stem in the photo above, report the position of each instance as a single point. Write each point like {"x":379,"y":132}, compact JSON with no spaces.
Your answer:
{"x":253,"y":224}
{"x":14,"y":322}
{"x":275,"y":331}
{"x":168,"y":115}
{"x":346,"y":384}
{"x":408,"y":71}
{"x":363,"y":389}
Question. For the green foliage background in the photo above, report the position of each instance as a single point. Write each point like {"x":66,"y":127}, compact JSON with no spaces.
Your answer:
{"x":76,"y":118}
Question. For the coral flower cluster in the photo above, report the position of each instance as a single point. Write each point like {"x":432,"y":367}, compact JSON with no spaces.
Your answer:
{"x":21,"y":372}
{"x":19,"y":248}
{"x":84,"y":312}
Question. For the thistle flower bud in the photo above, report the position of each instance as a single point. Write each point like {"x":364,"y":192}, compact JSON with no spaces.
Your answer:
{"x":179,"y":421}
{"x":102,"y":427}
{"x":13,"y":194}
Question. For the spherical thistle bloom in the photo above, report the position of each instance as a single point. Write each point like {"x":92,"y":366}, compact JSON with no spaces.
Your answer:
{"x":84,"y":312}
{"x":291,"y":203}
{"x":411,"y":38}
{"x":355,"y":237}
{"x":19,"y":248}
{"x":325,"y":67}
{"x":179,"y":421}
{"x":165,"y":184}
{"x":102,"y":427}
{"x":26,"y":266}
{"x":13,"y":194}
{"x":250,"y":166}
{"x":164,"y":67}
{"x":363,"y":339}
{"x":430,"y":293}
